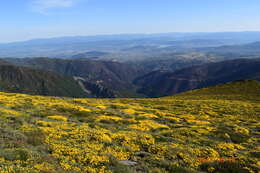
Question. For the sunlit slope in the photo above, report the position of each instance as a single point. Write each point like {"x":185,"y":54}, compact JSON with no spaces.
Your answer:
{"x":171,"y":134}
{"x":239,"y":90}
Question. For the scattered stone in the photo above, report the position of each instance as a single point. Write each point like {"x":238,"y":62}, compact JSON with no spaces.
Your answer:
{"x":127,"y":162}
{"x":142,"y":154}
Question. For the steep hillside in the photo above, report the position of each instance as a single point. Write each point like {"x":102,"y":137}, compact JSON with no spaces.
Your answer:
{"x":111,"y":75}
{"x":162,"y":83}
{"x":38,"y":82}
{"x":178,"y":134}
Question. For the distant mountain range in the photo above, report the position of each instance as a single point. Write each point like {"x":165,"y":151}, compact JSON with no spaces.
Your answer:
{"x":67,"y":47}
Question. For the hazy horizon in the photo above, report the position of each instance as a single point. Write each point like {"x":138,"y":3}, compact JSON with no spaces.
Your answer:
{"x":30,"y":19}
{"x":123,"y":34}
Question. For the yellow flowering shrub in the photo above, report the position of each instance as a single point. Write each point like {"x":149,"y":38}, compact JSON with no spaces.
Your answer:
{"x":147,"y":115}
{"x":198,"y":122}
{"x":241,"y":130}
{"x":129,"y":111}
{"x":146,"y":125}
{"x":104,"y":117}
{"x":171,"y":134}
{"x":58,"y":117}
{"x":229,"y":149}
{"x":101,"y":107}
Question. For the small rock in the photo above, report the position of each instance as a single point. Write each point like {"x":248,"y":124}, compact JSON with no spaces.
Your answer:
{"x":127,"y":162}
{"x":142,"y":154}
{"x":11,"y":118}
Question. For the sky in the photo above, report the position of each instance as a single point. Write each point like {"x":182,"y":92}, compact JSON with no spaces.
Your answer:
{"x":29,"y":19}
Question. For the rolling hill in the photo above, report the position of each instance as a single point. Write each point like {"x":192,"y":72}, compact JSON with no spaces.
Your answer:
{"x":209,"y":130}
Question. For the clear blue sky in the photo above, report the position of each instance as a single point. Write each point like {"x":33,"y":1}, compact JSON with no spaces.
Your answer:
{"x":27,"y":19}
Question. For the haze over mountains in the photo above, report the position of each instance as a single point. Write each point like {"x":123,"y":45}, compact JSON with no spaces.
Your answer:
{"x":116,"y":45}
{"x":134,"y":65}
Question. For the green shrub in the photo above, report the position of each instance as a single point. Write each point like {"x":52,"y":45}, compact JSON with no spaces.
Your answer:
{"x":226,"y":167}
{"x":15,"y":154}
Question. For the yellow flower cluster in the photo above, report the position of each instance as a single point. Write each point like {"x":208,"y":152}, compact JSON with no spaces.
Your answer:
{"x":58,"y":117}
{"x":59,"y":135}
{"x":146,"y":125}
{"x":104,"y":117}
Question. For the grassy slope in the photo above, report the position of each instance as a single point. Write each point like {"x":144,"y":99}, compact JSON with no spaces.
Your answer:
{"x":237,"y":90}
{"x":198,"y":131}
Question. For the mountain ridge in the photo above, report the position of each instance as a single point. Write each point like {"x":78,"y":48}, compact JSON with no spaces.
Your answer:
{"x":114,"y":76}
{"x":162,"y":83}
{"x":38,"y":82}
